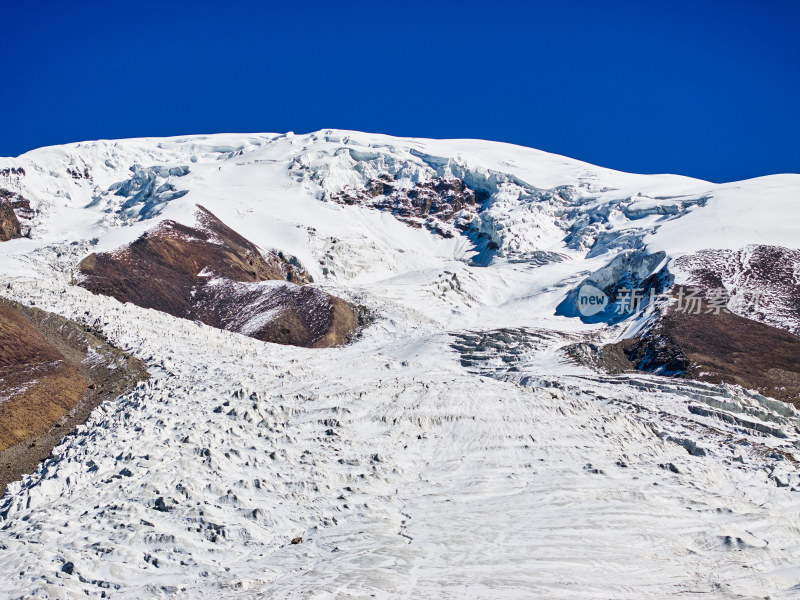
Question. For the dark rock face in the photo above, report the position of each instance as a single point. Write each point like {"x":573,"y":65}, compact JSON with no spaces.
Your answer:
{"x":212,"y":274}
{"x":76,"y":173}
{"x":445,"y":206}
{"x":658,"y":352}
{"x":744,"y":329}
{"x":13,"y":207}
{"x":47,"y":386}
{"x":719,"y":348}
{"x":12,"y":172}
{"x":10,"y":227}
{"x":160,"y":269}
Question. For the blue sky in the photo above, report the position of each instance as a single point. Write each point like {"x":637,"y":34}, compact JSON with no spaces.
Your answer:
{"x":705,"y":89}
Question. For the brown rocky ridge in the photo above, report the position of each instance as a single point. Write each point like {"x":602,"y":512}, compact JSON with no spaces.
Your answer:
{"x":714,"y":347}
{"x":53,"y":373}
{"x":210,"y":273}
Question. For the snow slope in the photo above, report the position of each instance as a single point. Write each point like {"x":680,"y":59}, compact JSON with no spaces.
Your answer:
{"x":454,"y":450}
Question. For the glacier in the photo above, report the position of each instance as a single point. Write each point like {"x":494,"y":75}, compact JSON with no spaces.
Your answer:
{"x":455,"y":449}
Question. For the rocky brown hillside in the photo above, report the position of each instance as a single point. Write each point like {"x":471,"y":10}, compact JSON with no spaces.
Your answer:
{"x":212,"y":274}
{"x":53,"y":372}
{"x":38,"y":386}
{"x":736,"y":320}
{"x":714,"y":347}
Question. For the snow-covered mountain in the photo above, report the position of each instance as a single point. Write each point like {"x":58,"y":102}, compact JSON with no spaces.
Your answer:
{"x":481,"y":434}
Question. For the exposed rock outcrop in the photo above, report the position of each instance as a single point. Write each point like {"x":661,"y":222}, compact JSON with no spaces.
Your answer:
{"x":53,"y":372}
{"x":12,"y":172}
{"x":444,"y":205}
{"x":212,"y":274}
{"x":10,"y":227}
{"x":718,"y":348}
{"x":13,"y":207}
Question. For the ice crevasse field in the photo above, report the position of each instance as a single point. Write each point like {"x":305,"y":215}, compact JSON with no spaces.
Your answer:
{"x":454,"y":449}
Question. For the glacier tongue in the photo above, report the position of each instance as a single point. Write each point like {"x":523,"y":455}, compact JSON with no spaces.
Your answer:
{"x":401,"y":471}
{"x":455,"y":450}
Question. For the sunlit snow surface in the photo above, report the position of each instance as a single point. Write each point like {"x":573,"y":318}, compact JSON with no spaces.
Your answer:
{"x":436,"y":457}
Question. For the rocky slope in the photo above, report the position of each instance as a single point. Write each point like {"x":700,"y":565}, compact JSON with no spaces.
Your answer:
{"x":53,"y":373}
{"x":734,"y":318}
{"x":211,"y":274}
{"x":717,"y":348}
{"x":13,"y":207}
{"x":38,"y":384}
{"x":10,"y":227}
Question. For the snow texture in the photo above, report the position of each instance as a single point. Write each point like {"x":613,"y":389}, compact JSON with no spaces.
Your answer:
{"x":454,"y":450}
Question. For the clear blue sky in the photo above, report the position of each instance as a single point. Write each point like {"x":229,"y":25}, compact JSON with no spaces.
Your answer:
{"x":706,"y":89}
